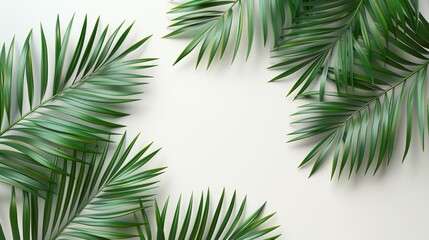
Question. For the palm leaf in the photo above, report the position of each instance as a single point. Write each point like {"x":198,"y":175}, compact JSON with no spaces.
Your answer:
{"x":360,"y":126}
{"x":325,"y":35}
{"x":216,"y":24}
{"x":46,"y":112}
{"x":225,"y":222}
{"x":95,"y":200}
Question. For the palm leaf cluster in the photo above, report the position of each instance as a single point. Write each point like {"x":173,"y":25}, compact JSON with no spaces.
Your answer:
{"x":91,"y":200}
{"x":362,"y":125}
{"x":331,"y":34}
{"x":363,"y":63}
{"x":46,"y":111}
{"x":108,"y":197}
{"x":216,"y":24}
{"x":200,"y":225}
{"x":68,"y":178}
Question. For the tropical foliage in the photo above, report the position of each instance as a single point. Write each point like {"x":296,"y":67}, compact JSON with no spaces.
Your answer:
{"x":105,"y":197}
{"x":91,"y":200}
{"x":361,"y":123}
{"x":332,"y":34}
{"x":230,"y":225}
{"x":56,"y":149}
{"x":361,"y":62}
{"x":45,"y":113}
{"x":215,"y":24}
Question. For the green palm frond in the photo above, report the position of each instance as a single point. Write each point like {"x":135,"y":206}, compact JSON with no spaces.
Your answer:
{"x":46,"y":111}
{"x":326,"y":34}
{"x":224,"y":223}
{"x":94,"y":201}
{"x":361,"y":126}
{"x":216,"y":23}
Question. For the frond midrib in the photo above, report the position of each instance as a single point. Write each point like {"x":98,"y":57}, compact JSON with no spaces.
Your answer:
{"x":217,"y":20}
{"x":328,"y":49}
{"x":50,"y":99}
{"x":381,"y":94}
{"x":345,"y":27}
{"x":80,"y":209}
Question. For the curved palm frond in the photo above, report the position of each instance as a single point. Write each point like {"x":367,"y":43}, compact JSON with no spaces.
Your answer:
{"x":95,"y":201}
{"x":212,"y":23}
{"x":225,"y":223}
{"x":360,"y":126}
{"x":326,"y":34}
{"x":44,"y":112}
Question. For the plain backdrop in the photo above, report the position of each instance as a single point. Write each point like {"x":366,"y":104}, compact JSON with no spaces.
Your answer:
{"x":227,"y":127}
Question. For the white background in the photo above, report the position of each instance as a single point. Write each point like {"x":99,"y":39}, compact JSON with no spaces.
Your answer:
{"x":226,"y":127}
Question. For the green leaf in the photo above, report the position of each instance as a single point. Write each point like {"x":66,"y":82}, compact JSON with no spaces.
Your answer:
{"x":14,"y":217}
{"x":229,"y":224}
{"x":91,"y":197}
{"x":209,"y":23}
{"x":337,"y":31}
{"x":77,"y":114}
{"x":362,"y":118}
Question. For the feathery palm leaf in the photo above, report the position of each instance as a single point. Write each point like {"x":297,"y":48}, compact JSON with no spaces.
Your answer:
{"x":95,"y":201}
{"x":325,"y":35}
{"x":86,"y":84}
{"x":361,"y":126}
{"x":225,"y":223}
{"x":212,"y":23}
